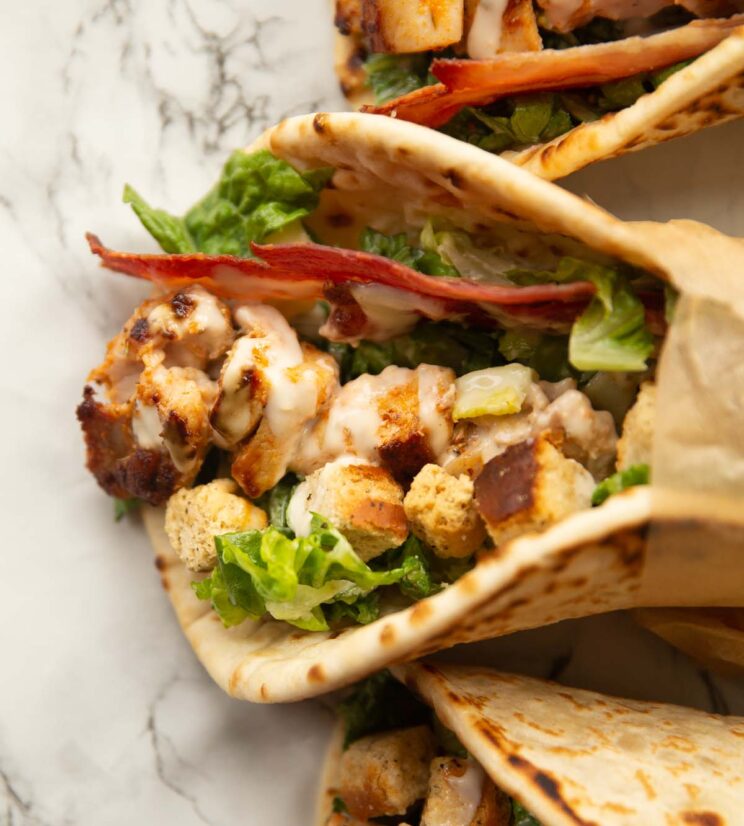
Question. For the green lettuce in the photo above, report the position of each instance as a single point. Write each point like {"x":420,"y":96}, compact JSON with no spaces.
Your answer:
{"x":620,"y":481}
{"x":393,"y":75}
{"x":611,"y":334}
{"x":399,"y":249}
{"x":380,"y":703}
{"x":256,"y":195}
{"x":276,"y":500}
{"x":446,"y":344}
{"x":547,"y":355}
{"x":296,"y":579}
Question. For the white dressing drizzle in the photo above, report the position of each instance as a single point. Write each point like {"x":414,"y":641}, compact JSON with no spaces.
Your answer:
{"x":484,"y":37}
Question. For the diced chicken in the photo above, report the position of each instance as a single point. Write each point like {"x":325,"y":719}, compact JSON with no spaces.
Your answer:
{"x":585,"y":434}
{"x":556,"y":409}
{"x":459,"y":792}
{"x":400,"y":26}
{"x":635,"y":446}
{"x":384,"y":774}
{"x":296,"y":395}
{"x":529,"y":487}
{"x":501,"y":26}
{"x":401,"y":419}
{"x":363,"y":501}
{"x":442,"y":512}
{"x":143,"y":412}
{"x":193,"y":517}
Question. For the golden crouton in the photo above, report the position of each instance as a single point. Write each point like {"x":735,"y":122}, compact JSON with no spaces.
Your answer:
{"x":384,"y":774}
{"x":636,"y":443}
{"x":449,"y":796}
{"x":195,"y":516}
{"x":528,"y":487}
{"x":364,"y":502}
{"x":442,"y":512}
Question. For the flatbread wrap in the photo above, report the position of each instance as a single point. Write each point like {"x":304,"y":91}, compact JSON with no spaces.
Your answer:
{"x":408,"y":440}
{"x":504,"y":750}
{"x":712,"y":636}
{"x":550,"y":85}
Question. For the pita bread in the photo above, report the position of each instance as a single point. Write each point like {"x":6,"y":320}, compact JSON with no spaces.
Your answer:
{"x":674,"y":543}
{"x":708,"y":92}
{"x":575,"y":757}
{"x":712,"y":636}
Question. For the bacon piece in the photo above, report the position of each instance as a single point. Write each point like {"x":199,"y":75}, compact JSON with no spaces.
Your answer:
{"x":302,"y":271}
{"x":478,"y":82}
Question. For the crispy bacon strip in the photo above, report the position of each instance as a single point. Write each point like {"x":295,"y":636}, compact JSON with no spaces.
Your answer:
{"x":478,"y":82}
{"x":304,"y":271}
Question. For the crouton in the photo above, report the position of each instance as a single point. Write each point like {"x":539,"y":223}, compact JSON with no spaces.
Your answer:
{"x":385,"y":774}
{"x":636,"y":443}
{"x":452,"y":795}
{"x":442,"y":512}
{"x":193,"y":517}
{"x":528,"y":487}
{"x":363,"y":501}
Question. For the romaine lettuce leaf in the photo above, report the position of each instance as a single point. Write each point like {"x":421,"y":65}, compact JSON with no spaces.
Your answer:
{"x":256,"y":195}
{"x":611,"y":334}
{"x":398,"y":248}
{"x":294,"y":579}
{"x":620,"y":481}
{"x":394,"y":75}
{"x":123,"y":507}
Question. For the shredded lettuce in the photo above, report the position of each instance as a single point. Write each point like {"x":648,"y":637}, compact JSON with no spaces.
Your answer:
{"x":394,"y":75}
{"x":257,"y":195}
{"x":399,"y":249}
{"x":276,"y":500}
{"x":620,"y":481}
{"x":297,"y":579}
{"x":446,"y":344}
{"x":380,"y":703}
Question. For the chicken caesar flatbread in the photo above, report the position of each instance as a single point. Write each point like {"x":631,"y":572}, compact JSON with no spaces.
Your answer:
{"x":552,"y":85}
{"x":392,"y":393}
{"x":490,"y":749}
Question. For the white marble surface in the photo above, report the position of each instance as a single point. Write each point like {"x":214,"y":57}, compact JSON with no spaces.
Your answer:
{"x":105,"y":717}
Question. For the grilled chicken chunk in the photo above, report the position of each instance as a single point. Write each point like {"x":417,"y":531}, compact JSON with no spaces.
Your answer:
{"x":557,"y":409}
{"x":400,"y":419}
{"x":385,"y":774}
{"x":459,"y":792}
{"x":145,"y":409}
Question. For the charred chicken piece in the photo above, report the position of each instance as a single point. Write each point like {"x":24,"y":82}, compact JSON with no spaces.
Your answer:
{"x":145,"y":409}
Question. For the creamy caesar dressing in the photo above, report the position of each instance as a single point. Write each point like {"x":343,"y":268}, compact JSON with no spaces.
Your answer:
{"x":436,"y":396}
{"x":463,"y":799}
{"x":484,"y":37}
{"x":147,"y":427}
{"x":202,"y":323}
{"x":299,"y":517}
{"x":391,"y":312}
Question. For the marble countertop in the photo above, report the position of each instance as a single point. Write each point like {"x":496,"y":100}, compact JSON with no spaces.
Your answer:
{"x":105,"y":715}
